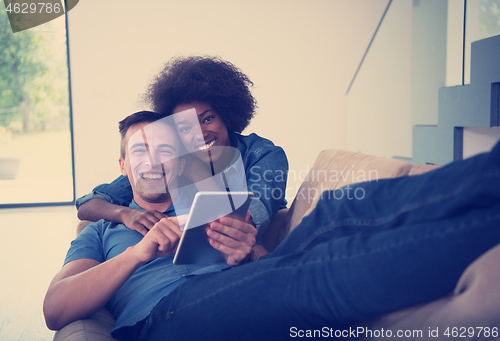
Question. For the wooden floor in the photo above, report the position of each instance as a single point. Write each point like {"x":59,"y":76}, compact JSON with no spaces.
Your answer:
{"x":33,"y":243}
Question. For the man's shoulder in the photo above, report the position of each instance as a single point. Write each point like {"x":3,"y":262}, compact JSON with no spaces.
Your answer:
{"x":89,"y":243}
{"x":100,"y":226}
{"x":104,"y":224}
{"x":102,"y":240}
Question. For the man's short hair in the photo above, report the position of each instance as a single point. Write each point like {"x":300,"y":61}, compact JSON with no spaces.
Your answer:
{"x":135,"y":118}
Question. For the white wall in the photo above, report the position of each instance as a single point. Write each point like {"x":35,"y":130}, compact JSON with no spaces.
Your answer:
{"x":379,"y":101}
{"x":301,"y":56}
{"x":417,"y":51}
{"x":479,"y":140}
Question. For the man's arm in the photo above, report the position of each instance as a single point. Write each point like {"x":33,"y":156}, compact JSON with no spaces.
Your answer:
{"x":139,"y":220}
{"x":83,"y":286}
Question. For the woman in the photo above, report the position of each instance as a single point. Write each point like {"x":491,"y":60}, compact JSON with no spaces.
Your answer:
{"x":218,"y":95}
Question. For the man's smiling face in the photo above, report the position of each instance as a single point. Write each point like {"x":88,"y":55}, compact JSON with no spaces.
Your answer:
{"x":152,"y":161}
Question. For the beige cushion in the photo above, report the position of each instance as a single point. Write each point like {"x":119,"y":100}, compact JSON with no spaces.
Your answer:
{"x":95,"y":328}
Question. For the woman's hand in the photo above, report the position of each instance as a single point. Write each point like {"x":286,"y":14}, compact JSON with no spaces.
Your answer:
{"x":141,"y":220}
{"x":233,"y":237}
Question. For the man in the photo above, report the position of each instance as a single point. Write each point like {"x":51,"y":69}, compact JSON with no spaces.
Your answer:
{"x":111,"y":264}
{"x":406,"y":243}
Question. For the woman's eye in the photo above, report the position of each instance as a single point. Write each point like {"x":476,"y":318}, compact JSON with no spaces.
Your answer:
{"x":207,"y":119}
{"x":184,"y":130}
{"x":166,"y":152}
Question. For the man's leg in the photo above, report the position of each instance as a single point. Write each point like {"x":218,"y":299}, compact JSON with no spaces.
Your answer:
{"x":406,"y":244}
{"x":390,"y":203}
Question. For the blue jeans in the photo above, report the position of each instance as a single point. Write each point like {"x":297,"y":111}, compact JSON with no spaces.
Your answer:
{"x":405,"y":243}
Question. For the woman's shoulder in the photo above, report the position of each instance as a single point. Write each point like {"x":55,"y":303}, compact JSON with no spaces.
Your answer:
{"x":254,"y":143}
{"x":254,"y":148}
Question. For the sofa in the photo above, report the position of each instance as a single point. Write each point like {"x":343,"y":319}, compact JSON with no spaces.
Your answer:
{"x":475,"y":302}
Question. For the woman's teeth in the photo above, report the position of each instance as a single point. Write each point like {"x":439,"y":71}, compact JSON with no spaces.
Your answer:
{"x":207,"y":146}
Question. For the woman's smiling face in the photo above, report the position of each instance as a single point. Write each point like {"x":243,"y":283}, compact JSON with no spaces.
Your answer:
{"x":201,"y":130}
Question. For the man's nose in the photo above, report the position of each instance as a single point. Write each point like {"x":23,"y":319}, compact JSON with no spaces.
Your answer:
{"x":154,"y":159}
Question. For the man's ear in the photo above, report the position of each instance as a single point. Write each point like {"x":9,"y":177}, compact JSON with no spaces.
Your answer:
{"x":123,"y":169}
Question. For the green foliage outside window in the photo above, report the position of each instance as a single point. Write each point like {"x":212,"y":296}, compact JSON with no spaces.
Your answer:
{"x":489,"y":17}
{"x":33,"y":79}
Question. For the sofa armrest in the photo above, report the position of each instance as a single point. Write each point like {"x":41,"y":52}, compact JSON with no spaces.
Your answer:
{"x":96,"y":328}
{"x":473,"y":303}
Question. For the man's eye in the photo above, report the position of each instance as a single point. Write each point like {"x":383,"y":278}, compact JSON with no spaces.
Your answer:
{"x":138,"y":151}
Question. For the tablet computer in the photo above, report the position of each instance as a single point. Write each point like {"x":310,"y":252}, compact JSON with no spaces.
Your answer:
{"x":194,"y":247}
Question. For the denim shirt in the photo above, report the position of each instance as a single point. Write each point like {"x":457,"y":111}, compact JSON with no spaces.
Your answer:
{"x":134,"y":300}
{"x":266,"y":170}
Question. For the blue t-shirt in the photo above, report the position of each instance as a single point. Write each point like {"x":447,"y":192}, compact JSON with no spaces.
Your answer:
{"x":266,"y":170}
{"x":136,"y":298}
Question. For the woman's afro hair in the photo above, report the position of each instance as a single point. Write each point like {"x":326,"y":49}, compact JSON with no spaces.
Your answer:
{"x":205,"y":79}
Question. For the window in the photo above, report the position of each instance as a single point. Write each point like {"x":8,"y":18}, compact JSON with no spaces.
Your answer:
{"x":482,"y":21}
{"x":36,"y":166}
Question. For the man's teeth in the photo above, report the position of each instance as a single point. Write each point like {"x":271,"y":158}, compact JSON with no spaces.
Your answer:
{"x":150,"y":176}
{"x":207,"y":146}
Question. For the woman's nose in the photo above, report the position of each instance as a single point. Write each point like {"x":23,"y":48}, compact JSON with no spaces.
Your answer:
{"x":201,"y":134}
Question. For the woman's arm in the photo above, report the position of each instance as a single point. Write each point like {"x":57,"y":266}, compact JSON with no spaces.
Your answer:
{"x":266,"y":174}
{"x":139,"y":220}
{"x":110,"y":202}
